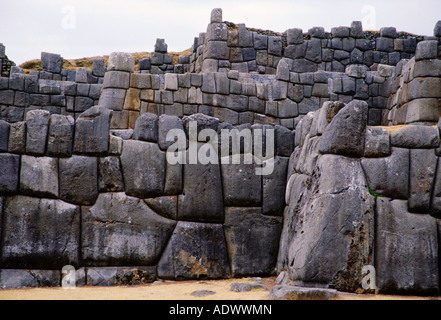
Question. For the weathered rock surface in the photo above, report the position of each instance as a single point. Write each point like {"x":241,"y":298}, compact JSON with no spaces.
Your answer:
{"x":121,"y":230}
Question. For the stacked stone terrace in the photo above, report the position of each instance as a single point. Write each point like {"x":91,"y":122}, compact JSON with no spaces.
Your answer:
{"x":85,"y":151}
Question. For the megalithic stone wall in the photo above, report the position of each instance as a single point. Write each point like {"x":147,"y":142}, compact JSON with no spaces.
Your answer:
{"x":84,"y":179}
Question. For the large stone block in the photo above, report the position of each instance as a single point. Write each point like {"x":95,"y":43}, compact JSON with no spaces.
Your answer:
{"x":78,"y":179}
{"x":9,"y":173}
{"x":40,"y":233}
{"x":4,"y":136}
{"x":92,"y":131}
{"x":421,"y":110}
{"x":51,"y":62}
{"x":195,"y":251}
{"x":389,"y":176}
{"x":424,"y":88}
{"x":116,"y":79}
{"x":109,"y":175}
{"x":216,"y":50}
{"x":113,"y":99}
{"x":119,"y":276}
{"x":120,"y":61}
{"x":273,"y":188}
{"x":21,"y":278}
{"x":406,"y":254}
{"x":415,"y":136}
{"x":426,"y":50}
{"x":146,"y":127}
{"x":165,"y":124}
{"x":143,"y":166}
{"x":201,"y":198}
{"x":252,"y":241}
{"x":241,"y":185}
{"x":345,"y":134}
{"x":37,"y":122}
{"x":39,"y":176}
{"x":60,"y":136}
{"x":121,"y":230}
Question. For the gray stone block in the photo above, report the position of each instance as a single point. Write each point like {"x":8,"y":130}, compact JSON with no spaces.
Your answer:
{"x":195,"y":251}
{"x":216,"y":50}
{"x":145,"y":64}
{"x":388,"y":32}
{"x":92,"y":131}
{"x":17,"y":137}
{"x":120,"y":61}
{"x":30,"y":238}
{"x":241,"y":185}
{"x":7,"y":97}
{"x":406,"y":252}
{"x":9,"y":173}
{"x":113,"y":99}
{"x":37,"y":123}
{"x":245,"y":37}
{"x":424,"y":88}
{"x":119,"y":276}
{"x":116,"y":79}
{"x":143,"y":165}
{"x":356,"y":30}
{"x":39,"y":176}
{"x":122,"y":230}
{"x":340,"y":32}
{"x":99,"y":67}
{"x":287,"y":109}
{"x":283,"y":292}
{"x":165,"y":124}
{"x":273,"y":188}
{"x":21,"y":278}
{"x":4,"y":135}
{"x":317,"y":32}
{"x":275,"y":45}
{"x":252,"y":240}
{"x":146,"y":128}
{"x":389,"y":176}
{"x":217,"y":32}
{"x":161,"y":46}
{"x":294,"y":36}
{"x":303,"y":65}
{"x":377,"y":142}
{"x":426,"y":50}
{"x":78,"y":179}
{"x":237,"y":102}
{"x":345,"y":134}
{"x":415,"y":137}
{"x":109,"y":175}
{"x":51,"y":62}
{"x":385,"y":44}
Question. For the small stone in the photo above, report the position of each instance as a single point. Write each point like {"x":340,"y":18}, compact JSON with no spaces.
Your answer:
{"x":202,"y":293}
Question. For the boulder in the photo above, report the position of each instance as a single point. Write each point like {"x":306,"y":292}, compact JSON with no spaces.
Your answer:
{"x":9,"y":173}
{"x":78,"y":179}
{"x":389,"y":176}
{"x":39,"y":176}
{"x":415,"y":136}
{"x":60,"y":136}
{"x":120,"y":230}
{"x":37,"y":123}
{"x":146,"y":128}
{"x":39,"y":233}
{"x":345,"y":135}
{"x":92,"y":131}
{"x":284,"y":292}
{"x":51,"y":62}
{"x":120,"y":61}
{"x":195,"y":251}
{"x":252,"y":241}
{"x":20,"y":278}
{"x":406,"y":254}
{"x":143,"y":167}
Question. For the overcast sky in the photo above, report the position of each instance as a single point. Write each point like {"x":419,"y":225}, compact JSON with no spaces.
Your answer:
{"x":84,"y":28}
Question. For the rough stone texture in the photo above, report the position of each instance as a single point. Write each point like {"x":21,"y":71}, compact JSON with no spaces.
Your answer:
{"x":406,"y":254}
{"x":143,"y":165}
{"x":389,"y":176}
{"x":29,"y":239}
{"x":245,"y":287}
{"x":78,"y":179}
{"x":283,"y":292}
{"x":60,"y":136}
{"x":273,"y":188}
{"x":119,"y":276}
{"x":121,"y":230}
{"x":37,"y":122}
{"x":92,"y":131}
{"x":345,"y":134}
{"x":19,"y":278}
{"x":109,"y":175}
{"x":51,"y":62}
{"x":195,"y":251}
{"x":252,"y":241}
{"x":166,"y":206}
{"x":165,"y":124}
{"x":39,"y":176}
{"x":241,"y":185}
{"x":9,"y":173}
{"x":377,"y":142}
{"x":4,"y":135}
{"x":435,"y":208}
{"x":146,"y":128}
{"x":423,"y":163}
{"x":415,"y":137}
{"x":120,"y":61}
{"x":328,"y":226}
{"x":201,"y":199}
{"x":112,"y":98}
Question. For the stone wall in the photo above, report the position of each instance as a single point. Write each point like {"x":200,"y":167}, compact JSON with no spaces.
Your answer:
{"x":85,"y":151}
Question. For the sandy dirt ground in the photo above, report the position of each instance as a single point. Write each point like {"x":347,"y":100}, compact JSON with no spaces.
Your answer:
{"x":175,"y":290}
